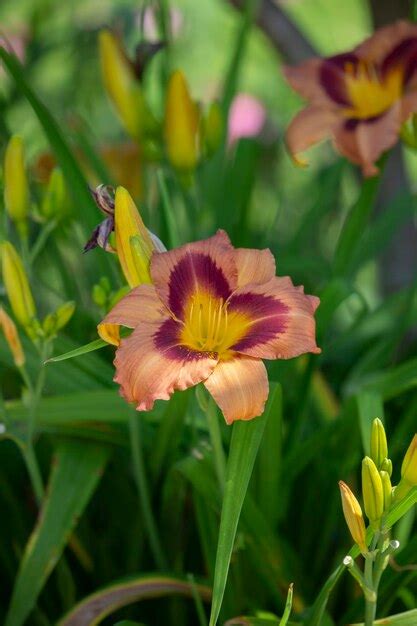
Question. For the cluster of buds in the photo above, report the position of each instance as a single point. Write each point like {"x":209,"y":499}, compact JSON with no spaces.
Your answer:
{"x":378,"y":497}
{"x":185,"y":136}
{"x":23,"y":306}
{"x":377,"y":490}
{"x":17,"y":195}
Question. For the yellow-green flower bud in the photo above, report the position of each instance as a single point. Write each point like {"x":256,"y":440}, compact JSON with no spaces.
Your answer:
{"x":64,"y":314}
{"x":54,"y":201}
{"x":12,"y":338}
{"x":386,"y":465}
{"x":409,"y":464}
{"x":387,"y":489}
{"x":53,"y":322}
{"x":17,"y":287}
{"x":133,"y":243}
{"x":123,"y":88}
{"x":372,"y":491}
{"x":16,"y":189}
{"x":181,"y":125}
{"x":213,"y":128}
{"x":379,"y":446}
{"x":353,"y":516}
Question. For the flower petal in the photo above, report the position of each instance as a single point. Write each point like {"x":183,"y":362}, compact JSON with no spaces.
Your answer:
{"x":305,"y":79}
{"x":142,"y":304}
{"x":310,"y":126}
{"x":254,"y":266}
{"x":282,"y":320}
{"x":385,"y":39}
{"x":364,"y":141}
{"x":207,"y":265}
{"x":150,"y":365}
{"x":240,"y":388}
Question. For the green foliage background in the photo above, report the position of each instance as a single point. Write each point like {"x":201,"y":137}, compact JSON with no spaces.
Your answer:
{"x":92,"y":532}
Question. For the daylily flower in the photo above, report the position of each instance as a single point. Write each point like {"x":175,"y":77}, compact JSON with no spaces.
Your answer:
{"x":359,"y":98}
{"x":246,"y":118}
{"x":212,"y":313}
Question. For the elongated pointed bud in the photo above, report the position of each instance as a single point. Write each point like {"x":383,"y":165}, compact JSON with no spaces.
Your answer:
{"x":387,"y":489}
{"x":17,"y":287}
{"x":9,"y":329}
{"x":372,"y":491}
{"x":54,"y":201}
{"x":181,"y":126}
{"x":386,"y":466}
{"x":16,"y":189}
{"x":379,"y":446}
{"x":123,"y":88}
{"x":353,"y":516}
{"x":213,"y":126}
{"x":409,"y":464}
{"x":133,"y":243}
{"x":408,"y":472}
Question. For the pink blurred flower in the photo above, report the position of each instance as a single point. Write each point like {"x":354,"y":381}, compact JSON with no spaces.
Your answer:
{"x":14,"y":42}
{"x":246,"y":117}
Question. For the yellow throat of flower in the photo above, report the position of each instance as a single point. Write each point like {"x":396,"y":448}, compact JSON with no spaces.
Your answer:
{"x":370,"y":93}
{"x":210,"y":327}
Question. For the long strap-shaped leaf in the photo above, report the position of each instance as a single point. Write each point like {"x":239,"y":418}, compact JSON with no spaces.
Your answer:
{"x":70,"y":168}
{"x":96,"y":607}
{"x":408,"y":618}
{"x":244,"y":446}
{"x":76,"y":472}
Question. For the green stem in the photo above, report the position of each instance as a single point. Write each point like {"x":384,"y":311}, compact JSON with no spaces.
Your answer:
{"x":168,"y":211}
{"x":216,"y":442}
{"x":143,"y":490}
{"x":41,"y":240}
{"x":28,"y":449}
{"x":370,"y":605}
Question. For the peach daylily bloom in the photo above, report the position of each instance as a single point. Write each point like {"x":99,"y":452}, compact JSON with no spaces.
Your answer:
{"x":212,"y":313}
{"x":360,"y":98}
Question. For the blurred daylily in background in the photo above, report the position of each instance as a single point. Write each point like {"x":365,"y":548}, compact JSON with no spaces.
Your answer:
{"x":212,"y":313}
{"x":360,"y":98}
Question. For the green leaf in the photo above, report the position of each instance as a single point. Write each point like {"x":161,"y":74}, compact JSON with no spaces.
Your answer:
{"x":75,"y":178}
{"x":370,"y":406}
{"x":409,"y":618}
{"x":354,"y":225}
{"x":269,"y":462}
{"x":88,"y":347}
{"x":99,"y":605}
{"x":76,"y":472}
{"x":246,"y":439}
{"x":389,"y":383}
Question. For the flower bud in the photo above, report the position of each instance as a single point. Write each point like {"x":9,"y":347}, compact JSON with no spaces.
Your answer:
{"x":213,"y":128}
{"x":16,"y":189}
{"x":353,"y":516}
{"x":181,"y":125}
{"x":409,"y":464}
{"x":387,"y":489}
{"x":386,"y":465}
{"x":123,"y":88}
{"x":54,"y":201}
{"x":12,"y":338}
{"x":379,"y":446}
{"x":372,"y":491}
{"x":17,"y":287}
{"x":55,"y":321}
{"x":133,"y":243}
